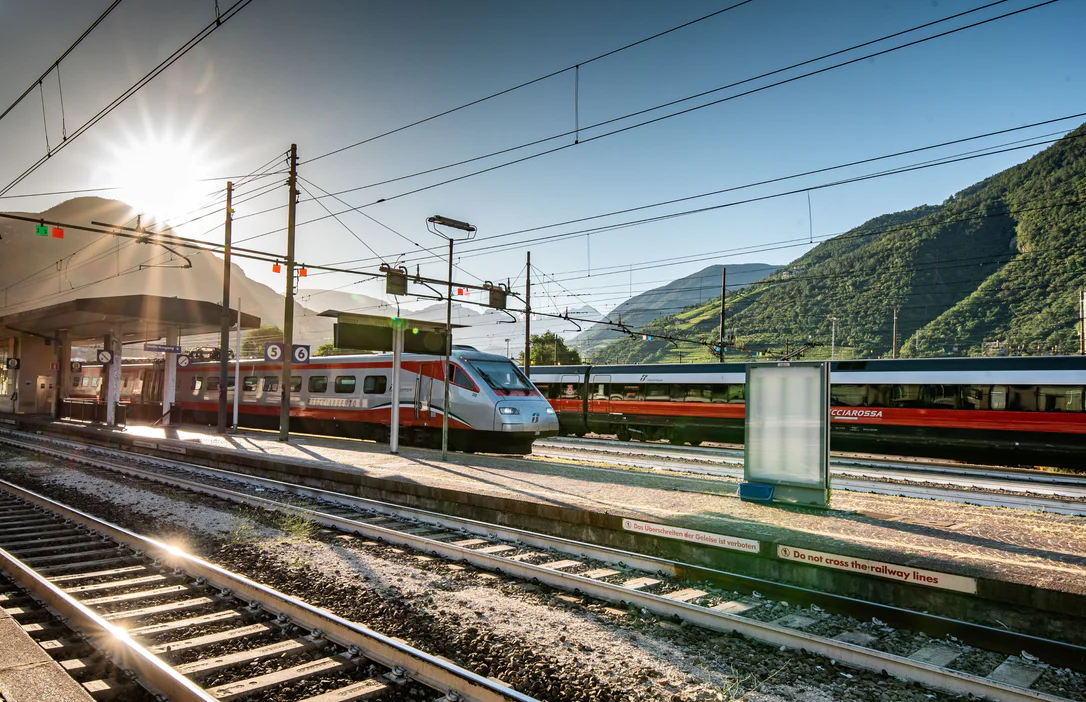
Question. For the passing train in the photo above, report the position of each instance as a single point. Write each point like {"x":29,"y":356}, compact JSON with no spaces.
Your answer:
{"x":493,"y":407}
{"x":1010,"y":411}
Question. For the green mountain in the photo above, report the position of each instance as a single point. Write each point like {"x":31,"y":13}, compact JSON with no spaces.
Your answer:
{"x":693,"y":289}
{"x":995,"y":269}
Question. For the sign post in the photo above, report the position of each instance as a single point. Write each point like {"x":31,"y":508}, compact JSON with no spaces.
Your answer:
{"x":788,"y":431}
{"x":398,"y":325}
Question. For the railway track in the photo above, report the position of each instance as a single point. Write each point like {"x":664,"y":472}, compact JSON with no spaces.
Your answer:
{"x":651,"y":584}
{"x":1062,"y":494}
{"x":190,"y":630}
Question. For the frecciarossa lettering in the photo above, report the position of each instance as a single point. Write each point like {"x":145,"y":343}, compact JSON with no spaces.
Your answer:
{"x":852,"y":413}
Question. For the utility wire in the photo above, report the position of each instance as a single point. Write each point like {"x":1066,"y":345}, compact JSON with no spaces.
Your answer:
{"x":56,"y":64}
{"x":531,"y":82}
{"x":154,"y":73}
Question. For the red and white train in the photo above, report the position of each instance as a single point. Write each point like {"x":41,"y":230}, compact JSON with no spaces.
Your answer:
{"x":1012,"y":411}
{"x":493,"y":407}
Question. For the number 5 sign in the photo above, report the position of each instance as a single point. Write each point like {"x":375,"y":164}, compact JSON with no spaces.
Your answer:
{"x":273,"y":352}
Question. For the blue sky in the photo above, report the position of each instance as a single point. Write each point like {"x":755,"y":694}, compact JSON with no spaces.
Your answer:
{"x":324,"y":74}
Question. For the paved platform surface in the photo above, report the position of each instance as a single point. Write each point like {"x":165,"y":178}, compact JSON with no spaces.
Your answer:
{"x":28,"y":674}
{"x":1032,"y":548}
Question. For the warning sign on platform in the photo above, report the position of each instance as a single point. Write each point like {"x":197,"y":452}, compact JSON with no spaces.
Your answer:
{"x":699,"y":537}
{"x":890,"y":571}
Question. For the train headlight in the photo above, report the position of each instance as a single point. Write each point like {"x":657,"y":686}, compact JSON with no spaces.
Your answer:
{"x":550,"y":410}
{"x":508,"y":410}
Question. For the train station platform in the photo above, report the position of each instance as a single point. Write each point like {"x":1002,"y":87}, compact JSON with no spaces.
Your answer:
{"x":922,"y":554}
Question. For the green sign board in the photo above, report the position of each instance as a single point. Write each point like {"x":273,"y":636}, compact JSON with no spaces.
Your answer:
{"x":41,"y":230}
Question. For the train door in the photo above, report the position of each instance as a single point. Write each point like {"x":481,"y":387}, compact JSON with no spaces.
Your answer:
{"x":599,"y":403}
{"x":424,"y":387}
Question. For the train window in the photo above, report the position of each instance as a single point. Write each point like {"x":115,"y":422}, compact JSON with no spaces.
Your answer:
{"x":999,"y":397}
{"x":375,"y":385}
{"x":568,"y":391}
{"x":295,"y":383}
{"x":599,"y":391}
{"x":544,"y":389}
{"x":271,"y":383}
{"x":318,"y":383}
{"x":459,"y":377}
{"x":658,"y":392}
{"x":941,"y":396}
{"x":693,"y":393}
{"x":230,"y":382}
{"x":849,"y":395}
{"x":75,"y":381}
{"x":345,"y":384}
{"x":213,"y":383}
{"x":250,"y":383}
{"x":625,"y":392}
{"x":1060,"y":399}
{"x":1022,"y":398}
{"x":975,"y":397}
{"x":197,"y":382}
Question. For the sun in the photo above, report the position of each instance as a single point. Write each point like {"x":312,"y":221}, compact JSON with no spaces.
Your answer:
{"x":159,"y":177}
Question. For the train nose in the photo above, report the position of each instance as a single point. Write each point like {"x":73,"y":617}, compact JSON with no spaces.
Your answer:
{"x":525,"y":417}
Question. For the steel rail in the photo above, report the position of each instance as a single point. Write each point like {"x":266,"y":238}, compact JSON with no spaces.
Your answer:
{"x":933,"y":676}
{"x":150,"y":670}
{"x":428,"y":669}
{"x":841,"y":462}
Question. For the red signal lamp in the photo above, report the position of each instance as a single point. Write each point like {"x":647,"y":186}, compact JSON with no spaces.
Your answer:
{"x":58,"y":233}
{"x":276,"y":268}
{"x":302,"y":272}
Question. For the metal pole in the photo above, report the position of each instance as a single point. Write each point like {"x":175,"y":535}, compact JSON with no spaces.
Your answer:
{"x":1082,"y":322}
{"x":528,"y":317}
{"x":893,"y":353}
{"x":723,"y":300}
{"x":224,"y":322}
{"x":833,"y":339}
{"x":556,"y":349}
{"x":394,"y":420}
{"x":448,"y":353}
{"x":237,"y":368}
{"x":288,"y":312}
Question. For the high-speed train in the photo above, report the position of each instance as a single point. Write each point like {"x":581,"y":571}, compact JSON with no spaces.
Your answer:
{"x":1012,"y":411}
{"x":493,"y":406}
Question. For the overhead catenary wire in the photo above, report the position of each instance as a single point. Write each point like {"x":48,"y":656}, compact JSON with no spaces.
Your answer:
{"x":533,"y":81}
{"x":199,"y":37}
{"x":674,"y":102}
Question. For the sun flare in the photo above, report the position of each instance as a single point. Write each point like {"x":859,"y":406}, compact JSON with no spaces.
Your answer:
{"x":159,"y":177}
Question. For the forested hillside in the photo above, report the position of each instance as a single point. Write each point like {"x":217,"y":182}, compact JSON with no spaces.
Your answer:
{"x":995,"y":269}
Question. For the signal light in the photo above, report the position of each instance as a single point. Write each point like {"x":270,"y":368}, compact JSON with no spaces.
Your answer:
{"x":415,"y":330}
{"x":276,"y":268}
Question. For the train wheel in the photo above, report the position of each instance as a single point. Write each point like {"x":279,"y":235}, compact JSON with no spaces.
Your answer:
{"x":623,"y":434}
{"x":675,"y":440}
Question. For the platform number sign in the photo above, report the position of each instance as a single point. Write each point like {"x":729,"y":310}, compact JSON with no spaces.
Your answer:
{"x":301,"y":354}
{"x":105,"y":356}
{"x":273,"y":352}
{"x":183,"y":360}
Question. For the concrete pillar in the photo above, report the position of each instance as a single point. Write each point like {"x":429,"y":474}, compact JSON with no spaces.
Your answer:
{"x":169,"y":377}
{"x":112,"y":392}
{"x":64,"y":371}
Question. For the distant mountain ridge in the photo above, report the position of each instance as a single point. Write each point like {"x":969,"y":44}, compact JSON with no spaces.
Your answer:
{"x":996,"y":269}
{"x":671,"y":298}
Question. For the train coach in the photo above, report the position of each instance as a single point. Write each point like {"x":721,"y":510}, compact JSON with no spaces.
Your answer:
{"x":493,"y":406}
{"x":1012,"y":411}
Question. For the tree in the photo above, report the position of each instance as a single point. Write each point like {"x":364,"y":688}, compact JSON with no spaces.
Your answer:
{"x":252,"y":344}
{"x":331,"y":350}
{"x":550,"y":350}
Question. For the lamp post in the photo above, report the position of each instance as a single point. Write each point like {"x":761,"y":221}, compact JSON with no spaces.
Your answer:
{"x":439,"y":221}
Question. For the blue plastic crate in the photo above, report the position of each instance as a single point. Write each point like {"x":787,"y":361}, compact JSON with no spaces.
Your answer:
{"x":756,"y":492}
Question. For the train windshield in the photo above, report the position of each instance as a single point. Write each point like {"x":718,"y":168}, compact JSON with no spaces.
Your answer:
{"x":503,"y":376}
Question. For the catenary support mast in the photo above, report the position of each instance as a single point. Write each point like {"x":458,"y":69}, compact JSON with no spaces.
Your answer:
{"x":288,"y":312}
{"x":224,"y":331}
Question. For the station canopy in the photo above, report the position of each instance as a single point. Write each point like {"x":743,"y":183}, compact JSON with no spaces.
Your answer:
{"x":370,"y":332}
{"x":133,"y":317}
